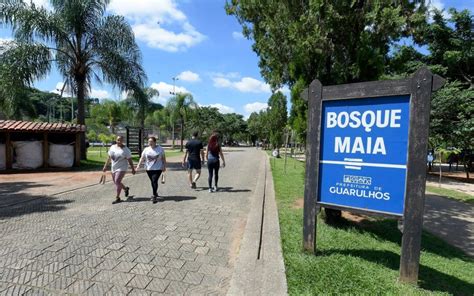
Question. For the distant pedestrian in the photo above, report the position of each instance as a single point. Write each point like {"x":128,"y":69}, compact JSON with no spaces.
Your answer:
{"x":213,"y":156}
{"x":195,"y":157}
{"x":155,"y":164}
{"x":120,"y":157}
{"x":430,"y":159}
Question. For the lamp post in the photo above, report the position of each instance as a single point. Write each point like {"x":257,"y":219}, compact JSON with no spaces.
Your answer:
{"x":61,"y":91}
{"x":173,"y":93}
{"x":174,"y":85}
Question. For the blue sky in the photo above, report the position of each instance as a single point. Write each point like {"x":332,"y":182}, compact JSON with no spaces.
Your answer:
{"x":195,"y":41}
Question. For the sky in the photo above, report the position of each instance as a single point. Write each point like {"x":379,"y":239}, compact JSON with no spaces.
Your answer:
{"x":198,"y":44}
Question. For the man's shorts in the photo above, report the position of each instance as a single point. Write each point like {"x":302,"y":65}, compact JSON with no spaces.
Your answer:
{"x":194,"y":164}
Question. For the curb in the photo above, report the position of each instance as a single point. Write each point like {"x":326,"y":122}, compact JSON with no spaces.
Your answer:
{"x":259,"y":269}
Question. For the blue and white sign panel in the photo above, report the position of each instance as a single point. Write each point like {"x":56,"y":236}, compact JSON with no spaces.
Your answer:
{"x":363,"y":156}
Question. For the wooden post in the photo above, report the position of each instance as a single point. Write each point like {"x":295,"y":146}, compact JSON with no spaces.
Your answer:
{"x":77,"y":158}
{"x":8,"y":152}
{"x":421,"y":86}
{"x":45,"y":150}
{"x":314,"y":95}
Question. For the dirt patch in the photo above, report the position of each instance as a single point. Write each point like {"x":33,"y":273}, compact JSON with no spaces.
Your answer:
{"x":299,"y":203}
{"x":458,"y":176}
{"x":357,"y":218}
{"x":237,"y":234}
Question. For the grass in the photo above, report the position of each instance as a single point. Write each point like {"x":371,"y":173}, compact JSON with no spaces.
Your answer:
{"x":359,"y":258}
{"x":96,"y":157}
{"x":453,"y":194}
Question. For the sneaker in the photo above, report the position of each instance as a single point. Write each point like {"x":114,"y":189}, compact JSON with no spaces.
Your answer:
{"x":215,"y":188}
{"x":127,"y":191}
{"x":154,"y":199}
{"x":193,"y":185}
{"x":116,"y":201}
{"x":210,"y":189}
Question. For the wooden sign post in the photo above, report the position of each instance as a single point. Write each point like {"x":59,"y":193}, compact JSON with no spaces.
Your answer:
{"x":366,"y":153}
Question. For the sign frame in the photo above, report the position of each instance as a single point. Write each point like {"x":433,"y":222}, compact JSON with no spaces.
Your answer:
{"x":419,"y":88}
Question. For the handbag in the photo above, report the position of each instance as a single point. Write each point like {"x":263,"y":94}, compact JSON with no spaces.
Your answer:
{"x":163,"y":178}
{"x":102,"y":179}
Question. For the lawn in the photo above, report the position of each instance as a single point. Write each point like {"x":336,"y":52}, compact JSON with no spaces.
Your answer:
{"x":453,"y":194}
{"x":359,"y":258}
{"x":96,"y":157}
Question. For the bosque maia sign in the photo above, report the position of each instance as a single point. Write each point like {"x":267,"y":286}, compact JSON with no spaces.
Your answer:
{"x":363,"y":159}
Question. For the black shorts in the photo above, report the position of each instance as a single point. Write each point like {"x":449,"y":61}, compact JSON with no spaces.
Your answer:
{"x":194,"y":164}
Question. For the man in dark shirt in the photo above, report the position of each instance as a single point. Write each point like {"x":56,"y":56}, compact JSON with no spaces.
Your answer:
{"x":195,"y":156}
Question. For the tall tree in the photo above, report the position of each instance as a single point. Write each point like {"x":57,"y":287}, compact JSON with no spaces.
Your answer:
{"x":180,"y":106}
{"x":86,"y":43}
{"x":277,"y":118}
{"x":334,"y":41}
{"x":452,"y":46}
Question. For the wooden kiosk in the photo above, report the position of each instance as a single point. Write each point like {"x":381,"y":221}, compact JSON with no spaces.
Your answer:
{"x":12,"y":130}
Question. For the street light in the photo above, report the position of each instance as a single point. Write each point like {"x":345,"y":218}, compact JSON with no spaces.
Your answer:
{"x":61,"y":91}
{"x":174,"y":85}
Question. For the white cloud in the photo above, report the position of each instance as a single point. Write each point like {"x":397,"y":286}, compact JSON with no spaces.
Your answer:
{"x":165,"y":89}
{"x":5,"y":40}
{"x":41,"y":3}
{"x":222,"y":82}
{"x":160,"y":25}
{"x":99,"y":93}
{"x":222,"y":108}
{"x":4,"y":44}
{"x":246,"y":84}
{"x":189,"y":76}
{"x":59,"y":87}
{"x":255,"y":107}
{"x":238,"y":36}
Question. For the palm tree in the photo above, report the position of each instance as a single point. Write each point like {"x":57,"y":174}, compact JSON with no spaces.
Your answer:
{"x":113,"y":114}
{"x":20,"y":65}
{"x":86,"y":44}
{"x":141,"y":99}
{"x":180,"y":105}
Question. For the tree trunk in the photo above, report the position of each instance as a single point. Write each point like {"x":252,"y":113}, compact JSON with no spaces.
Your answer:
{"x":182,"y":133}
{"x":81,"y":93}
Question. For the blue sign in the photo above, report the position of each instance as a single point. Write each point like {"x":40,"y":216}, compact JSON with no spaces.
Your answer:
{"x":363,"y":156}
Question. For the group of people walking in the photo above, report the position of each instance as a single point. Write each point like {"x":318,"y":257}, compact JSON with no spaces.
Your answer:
{"x":154,"y":159}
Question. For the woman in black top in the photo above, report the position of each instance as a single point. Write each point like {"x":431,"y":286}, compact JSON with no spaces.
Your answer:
{"x":213,"y":152}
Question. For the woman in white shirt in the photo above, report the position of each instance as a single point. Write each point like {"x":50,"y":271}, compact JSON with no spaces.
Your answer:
{"x":155,"y":163}
{"x":121,"y":157}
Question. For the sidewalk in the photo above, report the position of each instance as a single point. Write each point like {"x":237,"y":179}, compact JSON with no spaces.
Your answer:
{"x":79,"y":243}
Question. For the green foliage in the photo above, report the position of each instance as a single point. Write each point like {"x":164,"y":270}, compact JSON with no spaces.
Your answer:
{"x":334,"y":41}
{"x":298,"y":113}
{"x":452,"y":46}
{"x":180,"y":107}
{"x":276,"y":119}
{"x":358,"y":258}
{"x":452,"y":120}
{"x":20,"y":65}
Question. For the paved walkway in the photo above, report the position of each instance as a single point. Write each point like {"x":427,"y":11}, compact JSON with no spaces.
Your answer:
{"x":79,"y":243}
{"x":450,"y":220}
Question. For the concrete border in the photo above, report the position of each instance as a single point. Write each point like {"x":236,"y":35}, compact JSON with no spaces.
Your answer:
{"x":264,"y":276}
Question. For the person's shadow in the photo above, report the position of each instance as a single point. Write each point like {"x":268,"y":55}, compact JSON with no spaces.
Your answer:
{"x":225,"y":189}
{"x":161,"y":199}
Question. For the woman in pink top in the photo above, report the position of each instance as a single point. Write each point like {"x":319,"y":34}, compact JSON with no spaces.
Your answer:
{"x":120,"y":157}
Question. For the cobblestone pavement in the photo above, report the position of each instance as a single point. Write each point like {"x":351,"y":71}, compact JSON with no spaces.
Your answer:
{"x":79,"y":243}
